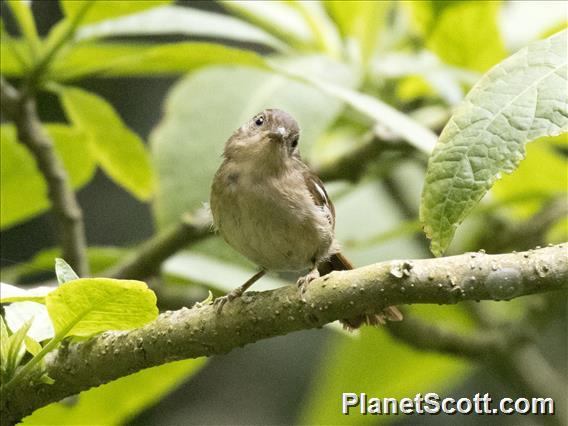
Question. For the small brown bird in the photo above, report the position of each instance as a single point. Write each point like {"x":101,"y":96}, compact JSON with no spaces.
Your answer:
{"x":270,"y":207}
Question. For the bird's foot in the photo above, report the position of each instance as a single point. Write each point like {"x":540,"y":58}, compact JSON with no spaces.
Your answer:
{"x":220,"y":302}
{"x":306,"y":279}
{"x":238,"y":292}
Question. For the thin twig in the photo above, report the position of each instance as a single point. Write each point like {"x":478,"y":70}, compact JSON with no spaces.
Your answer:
{"x":201,"y":331}
{"x":69,"y":217}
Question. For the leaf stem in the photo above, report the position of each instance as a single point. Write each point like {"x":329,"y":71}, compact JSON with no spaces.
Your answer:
{"x":326,"y":35}
{"x":56,"y":44}
{"x":25,"y":19}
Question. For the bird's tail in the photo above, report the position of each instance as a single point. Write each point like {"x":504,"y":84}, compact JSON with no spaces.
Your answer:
{"x":338,"y":262}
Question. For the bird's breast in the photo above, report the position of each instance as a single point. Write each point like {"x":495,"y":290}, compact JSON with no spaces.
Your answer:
{"x":271,"y":220}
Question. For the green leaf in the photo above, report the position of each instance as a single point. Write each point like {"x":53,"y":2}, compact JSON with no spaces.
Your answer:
{"x":36,"y":299}
{"x":32,"y":346}
{"x":15,"y":56}
{"x":384,"y":368}
{"x":558,"y":232}
{"x":106,"y":9}
{"x":100,"y":259}
{"x":92,"y":305}
{"x":4,"y":336}
{"x":360,"y":22}
{"x":128,"y":396}
{"x":44,"y":378}
{"x":119,"y":151}
{"x":22,"y":11}
{"x":384,"y":114}
{"x":177,"y":20}
{"x":520,"y":100}
{"x":461,"y":33}
{"x":113,"y":59}
{"x":543,"y":172}
{"x":323,"y":28}
{"x":64,"y":272}
{"x":354,"y":222}
{"x":15,"y":350}
{"x":277,"y":18}
{"x":197,"y":268}
{"x":23,"y":193}
{"x":188,"y":142}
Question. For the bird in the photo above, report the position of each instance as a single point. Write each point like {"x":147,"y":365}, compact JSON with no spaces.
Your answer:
{"x":268,"y":205}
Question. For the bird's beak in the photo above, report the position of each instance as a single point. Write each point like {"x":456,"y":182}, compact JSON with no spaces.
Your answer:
{"x":279,"y":135}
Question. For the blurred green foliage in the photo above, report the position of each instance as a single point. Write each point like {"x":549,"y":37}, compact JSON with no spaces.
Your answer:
{"x":19,"y":173}
{"x":119,"y":401}
{"x":340,"y":68}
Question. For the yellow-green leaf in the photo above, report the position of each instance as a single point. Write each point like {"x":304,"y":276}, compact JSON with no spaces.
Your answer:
{"x":15,"y":55}
{"x":543,"y":172}
{"x":92,"y":305}
{"x":23,"y":193}
{"x":32,"y":346}
{"x":462,"y":33}
{"x":119,"y":151}
{"x":360,"y":21}
{"x":128,"y":396}
{"x":107,"y":9}
{"x":115,"y":59}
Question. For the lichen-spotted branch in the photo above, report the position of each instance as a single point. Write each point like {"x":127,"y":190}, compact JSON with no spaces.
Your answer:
{"x":201,"y":331}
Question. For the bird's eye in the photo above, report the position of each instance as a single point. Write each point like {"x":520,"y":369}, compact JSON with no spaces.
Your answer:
{"x":259,"y":121}
{"x":295,"y":143}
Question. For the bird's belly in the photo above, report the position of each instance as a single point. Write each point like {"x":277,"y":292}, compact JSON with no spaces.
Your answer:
{"x":276,"y":233}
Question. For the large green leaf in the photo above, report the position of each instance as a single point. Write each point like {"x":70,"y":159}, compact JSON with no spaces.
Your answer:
{"x":324,"y":29}
{"x":215,"y":273}
{"x":172,"y":20}
{"x":276,"y":17}
{"x":519,"y":100}
{"x":380,"y":367}
{"x":128,"y":396}
{"x":23,"y":193}
{"x":115,"y":59}
{"x":380,"y":112}
{"x":119,"y":151}
{"x":462,"y":33}
{"x":204,"y":109}
{"x":92,"y":305}
{"x":107,"y":9}
{"x":544,"y":172}
{"x":360,"y":22}
{"x":15,"y":56}
{"x":367,"y":210}
{"x":22,"y":12}
{"x":100,"y":259}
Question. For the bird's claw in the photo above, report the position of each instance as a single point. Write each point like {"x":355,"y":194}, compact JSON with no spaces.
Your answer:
{"x":306,"y":279}
{"x":220,"y":302}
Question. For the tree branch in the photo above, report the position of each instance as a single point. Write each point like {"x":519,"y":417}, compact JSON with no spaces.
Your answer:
{"x":196,"y":332}
{"x":68,"y":215}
